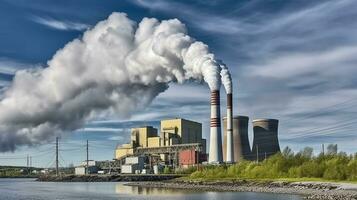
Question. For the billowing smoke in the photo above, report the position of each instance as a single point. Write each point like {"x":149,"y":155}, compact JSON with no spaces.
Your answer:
{"x":226,"y":77}
{"x":117,"y":67}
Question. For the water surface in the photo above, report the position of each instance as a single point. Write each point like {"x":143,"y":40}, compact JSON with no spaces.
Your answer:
{"x":28,"y":189}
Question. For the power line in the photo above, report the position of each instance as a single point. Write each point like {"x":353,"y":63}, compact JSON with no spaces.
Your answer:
{"x":314,"y":131}
{"x":325,"y":110}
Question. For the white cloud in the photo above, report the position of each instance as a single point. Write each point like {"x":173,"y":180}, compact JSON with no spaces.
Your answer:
{"x":61,"y":25}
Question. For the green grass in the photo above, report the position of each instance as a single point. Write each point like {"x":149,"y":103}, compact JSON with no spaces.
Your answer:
{"x":285,"y":167}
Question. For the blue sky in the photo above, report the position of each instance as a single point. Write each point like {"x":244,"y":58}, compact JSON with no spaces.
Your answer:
{"x":290,"y":60}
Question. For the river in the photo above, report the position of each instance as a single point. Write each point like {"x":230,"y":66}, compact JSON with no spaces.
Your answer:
{"x":29,"y":189}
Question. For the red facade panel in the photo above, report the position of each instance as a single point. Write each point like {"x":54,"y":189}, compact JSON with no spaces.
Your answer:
{"x":189,"y":157}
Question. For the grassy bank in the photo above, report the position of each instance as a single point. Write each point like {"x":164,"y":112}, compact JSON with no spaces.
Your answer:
{"x":287,"y":167}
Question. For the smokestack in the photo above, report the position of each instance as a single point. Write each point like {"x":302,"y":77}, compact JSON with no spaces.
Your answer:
{"x":215,"y":151}
{"x":229,"y":150}
{"x":227,"y":83}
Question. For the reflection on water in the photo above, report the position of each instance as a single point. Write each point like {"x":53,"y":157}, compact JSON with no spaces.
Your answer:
{"x":120,"y":188}
{"x":25,"y":189}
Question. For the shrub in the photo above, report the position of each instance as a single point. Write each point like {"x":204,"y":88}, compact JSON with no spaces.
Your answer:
{"x":331,"y":166}
{"x":167,"y":170}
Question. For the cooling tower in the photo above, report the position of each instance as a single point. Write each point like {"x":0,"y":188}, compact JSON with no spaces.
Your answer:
{"x":229,"y":158}
{"x":215,"y":150}
{"x":265,"y":141}
{"x":241,"y":145}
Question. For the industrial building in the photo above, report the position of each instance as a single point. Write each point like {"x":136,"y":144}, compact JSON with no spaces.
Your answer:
{"x":83,"y":168}
{"x":181,"y":131}
{"x":140,"y":137}
{"x":179,"y":140}
{"x":133,"y":165}
{"x":191,"y":157}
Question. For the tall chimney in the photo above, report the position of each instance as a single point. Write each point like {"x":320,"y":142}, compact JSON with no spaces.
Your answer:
{"x":229,"y":150}
{"x":215,"y":151}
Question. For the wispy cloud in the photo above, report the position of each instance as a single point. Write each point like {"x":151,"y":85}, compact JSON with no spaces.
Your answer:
{"x":295,"y":64}
{"x":205,"y":21}
{"x":10,"y":67}
{"x":100,"y":129}
{"x":118,"y":138}
{"x":60,"y":25}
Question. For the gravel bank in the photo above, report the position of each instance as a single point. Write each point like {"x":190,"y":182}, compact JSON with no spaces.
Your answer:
{"x":310,"y":190}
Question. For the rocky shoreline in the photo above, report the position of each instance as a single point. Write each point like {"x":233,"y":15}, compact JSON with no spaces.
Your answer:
{"x":310,"y":190}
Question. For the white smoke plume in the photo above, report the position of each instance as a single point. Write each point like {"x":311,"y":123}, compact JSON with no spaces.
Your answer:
{"x":226,"y":77}
{"x":117,"y":67}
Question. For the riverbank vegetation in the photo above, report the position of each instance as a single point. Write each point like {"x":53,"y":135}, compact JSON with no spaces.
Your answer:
{"x":16,"y":172}
{"x":287,"y":165}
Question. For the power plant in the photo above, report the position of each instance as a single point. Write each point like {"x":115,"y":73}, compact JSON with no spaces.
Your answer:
{"x":180,"y":143}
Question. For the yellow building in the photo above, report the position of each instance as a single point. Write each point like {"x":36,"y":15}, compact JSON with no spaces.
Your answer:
{"x":124,"y":150}
{"x":154,"y":142}
{"x":173,"y":131}
{"x":139,"y":136}
{"x":181,"y":131}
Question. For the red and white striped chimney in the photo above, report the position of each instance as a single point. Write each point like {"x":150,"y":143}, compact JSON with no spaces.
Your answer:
{"x":215,"y":151}
{"x":229,"y":144}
